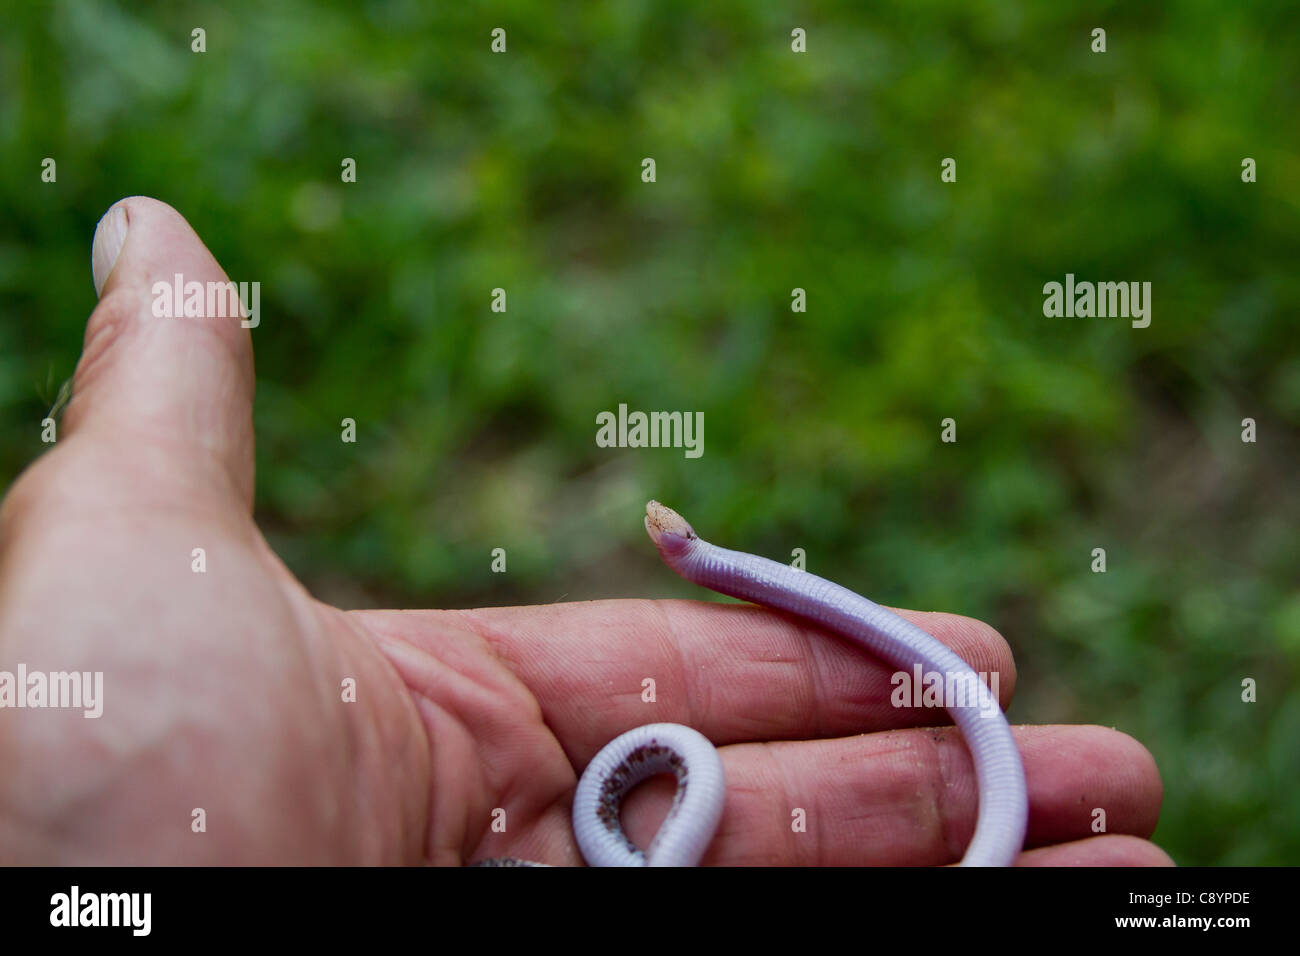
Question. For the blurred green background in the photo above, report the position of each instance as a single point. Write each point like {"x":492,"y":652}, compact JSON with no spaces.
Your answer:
{"x":775,"y":170}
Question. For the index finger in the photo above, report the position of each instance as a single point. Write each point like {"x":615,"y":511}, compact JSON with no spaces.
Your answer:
{"x":734,"y":672}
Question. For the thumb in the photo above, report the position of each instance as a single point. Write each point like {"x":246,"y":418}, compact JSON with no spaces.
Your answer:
{"x":171,"y":389}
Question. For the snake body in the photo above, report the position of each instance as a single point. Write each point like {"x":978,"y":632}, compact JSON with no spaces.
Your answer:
{"x":645,"y":751}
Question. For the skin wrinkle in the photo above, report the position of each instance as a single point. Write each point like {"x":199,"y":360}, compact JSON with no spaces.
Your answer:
{"x":120,"y":321}
{"x":930,"y":765}
{"x":405,"y":659}
{"x":786,"y":798}
{"x":478,"y":794}
{"x":514,"y":796}
{"x":315,"y":747}
{"x":497,"y":645}
{"x":530,"y":821}
{"x":980,"y":645}
{"x":899,"y":754}
{"x":485,"y":682}
{"x":546,"y":822}
{"x":500,"y":643}
{"x":107,"y":325}
{"x":445,"y":841}
{"x":804,"y":658}
{"x":992,"y":655}
{"x":674,"y":645}
{"x":491,"y":790}
{"x":944,"y":792}
{"x":358,"y":733}
{"x":822,"y":703}
{"x":740,"y":794}
{"x":814,"y":703}
{"x":754,"y":726}
{"x":537,"y":839}
{"x":940,"y":785}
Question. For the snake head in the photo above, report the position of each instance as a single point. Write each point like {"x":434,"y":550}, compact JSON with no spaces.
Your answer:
{"x":670,"y":532}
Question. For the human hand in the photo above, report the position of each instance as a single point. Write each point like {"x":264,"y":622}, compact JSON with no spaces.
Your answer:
{"x":223,"y":689}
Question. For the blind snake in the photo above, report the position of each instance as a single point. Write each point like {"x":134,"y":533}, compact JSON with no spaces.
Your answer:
{"x":696,"y":811}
